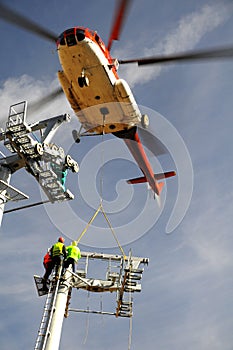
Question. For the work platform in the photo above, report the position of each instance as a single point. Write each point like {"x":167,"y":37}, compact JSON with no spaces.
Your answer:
{"x":122,"y":276}
{"x":11,"y":193}
{"x":43,"y":159}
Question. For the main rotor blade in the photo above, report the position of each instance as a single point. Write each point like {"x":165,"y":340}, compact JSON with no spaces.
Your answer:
{"x":34,"y":106}
{"x":212,"y":54}
{"x":21,"y":21}
{"x":121,"y":11}
{"x":152,"y":142}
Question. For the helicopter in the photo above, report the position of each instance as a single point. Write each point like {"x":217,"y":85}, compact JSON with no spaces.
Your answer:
{"x":102,"y":101}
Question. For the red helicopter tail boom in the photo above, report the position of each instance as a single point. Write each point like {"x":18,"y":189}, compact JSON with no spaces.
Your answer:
{"x":157,"y":177}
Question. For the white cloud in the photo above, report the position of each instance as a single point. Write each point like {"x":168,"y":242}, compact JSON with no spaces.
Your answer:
{"x":185,"y":36}
{"x":26,"y":88}
{"x":192,"y":28}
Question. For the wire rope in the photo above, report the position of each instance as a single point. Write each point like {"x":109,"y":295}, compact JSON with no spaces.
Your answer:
{"x":113,"y":232}
{"x":89,"y":223}
{"x":88,"y":318}
{"x":101,"y":199}
{"x":131,"y":316}
{"x":26,"y":206}
{"x":102,"y":163}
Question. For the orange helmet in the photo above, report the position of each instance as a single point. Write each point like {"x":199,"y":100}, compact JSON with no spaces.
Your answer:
{"x":61,"y":239}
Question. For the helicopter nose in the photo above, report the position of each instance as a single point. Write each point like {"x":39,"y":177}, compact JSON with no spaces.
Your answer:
{"x":74,"y":35}
{"x":71,"y":37}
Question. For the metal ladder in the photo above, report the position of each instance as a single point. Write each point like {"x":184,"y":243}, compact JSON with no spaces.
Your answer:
{"x":131,"y":276}
{"x":17,"y":130}
{"x":114,"y":270}
{"x":82,"y":267}
{"x":49,"y":308}
{"x":52,"y":187}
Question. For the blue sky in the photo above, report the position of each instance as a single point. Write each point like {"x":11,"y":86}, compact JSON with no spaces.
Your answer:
{"x":186,"y":299}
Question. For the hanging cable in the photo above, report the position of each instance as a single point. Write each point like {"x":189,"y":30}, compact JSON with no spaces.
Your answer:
{"x":113,"y":232}
{"x":101,"y":308}
{"x":104,"y":113}
{"x":89,"y":223}
{"x":101,"y":188}
{"x":26,"y":206}
{"x":109,"y":224}
{"x":88,"y":318}
{"x":130,"y":303}
{"x":102,"y":163}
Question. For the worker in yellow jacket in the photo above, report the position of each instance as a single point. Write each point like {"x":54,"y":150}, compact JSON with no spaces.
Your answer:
{"x":58,"y":253}
{"x":73,"y":255}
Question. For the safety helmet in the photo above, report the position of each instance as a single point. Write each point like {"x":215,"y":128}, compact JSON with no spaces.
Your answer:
{"x":74,"y":243}
{"x":61,"y":239}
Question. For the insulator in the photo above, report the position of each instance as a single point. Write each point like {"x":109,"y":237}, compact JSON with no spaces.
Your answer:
{"x":127,"y":303}
{"x":135,"y":276}
{"x":122,"y":314}
{"x":134,"y":270}
{"x":125,"y":308}
{"x":130,"y":283}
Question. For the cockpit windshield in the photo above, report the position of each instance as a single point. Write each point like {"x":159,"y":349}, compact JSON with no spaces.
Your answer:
{"x":71,"y":37}
{"x":71,"y":40}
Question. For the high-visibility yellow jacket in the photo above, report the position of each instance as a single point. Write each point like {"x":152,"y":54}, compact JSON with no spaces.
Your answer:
{"x":58,"y":249}
{"x":73,"y":252}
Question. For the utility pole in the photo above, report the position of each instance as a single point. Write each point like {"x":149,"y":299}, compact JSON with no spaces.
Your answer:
{"x":58,"y":314}
{"x":49,"y":333}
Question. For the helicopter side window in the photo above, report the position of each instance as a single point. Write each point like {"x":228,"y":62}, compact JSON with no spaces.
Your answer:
{"x":100,"y":42}
{"x":71,"y":40}
{"x":61,"y":40}
{"x":80,"y":34}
